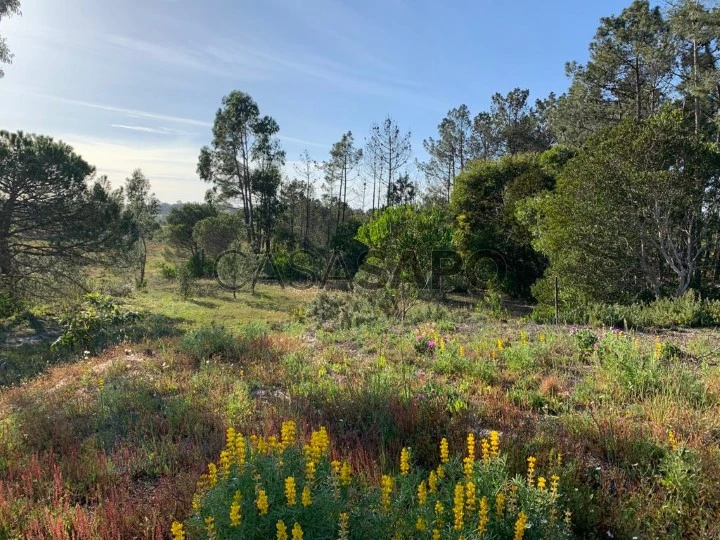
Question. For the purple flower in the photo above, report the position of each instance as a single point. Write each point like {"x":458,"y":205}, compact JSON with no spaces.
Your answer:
{"x":431,"y":343}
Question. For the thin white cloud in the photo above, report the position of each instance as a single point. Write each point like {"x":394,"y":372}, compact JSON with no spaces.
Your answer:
{"x":145,"y":129}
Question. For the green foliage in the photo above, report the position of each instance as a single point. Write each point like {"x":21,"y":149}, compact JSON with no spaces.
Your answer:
{"x":180,"y":224}
{"x":97,"y":322}
{"x":212,"y":342}
{"x":345,"y":310}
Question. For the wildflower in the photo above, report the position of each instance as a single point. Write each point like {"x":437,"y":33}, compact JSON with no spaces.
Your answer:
{"x":272,"y":444}
{"x":404,"y":462}
{"x":658,"y":351}
{"x":458,"y":504}
{"x":310,"y":470}
{"x":568,"y":518}
{"x":262,"y":502}
{"x":422,"y":493}
{"x":345,"y":474}
{"x":439,"y":511}
{"x":210,"y":527}
{"x":672,"y":440}
{"x":431,"y":344}
{"x":319,"y":443}
{"x":235,"y":510}
{"x":494,"y":444}
{"x":420,"y":524}
{"x":470,"y":496}
{"x":471,"y":445}
{"x":484,"y":519}
{"x":225,"y":463}
{"x":196,"y":502}
{"x":177,"y":531}
{"x":485,"y":445}
{"x":541,"y":482}
{"x":468,"y":464}
{"x":335,"y":464}
{"x":541,"y":337}
{"x":262,"y":446}
{"x":101,"y":383}
{"x":297,"y":532}
{"x":281,"y":530}
{"x":531,"y":470}
{"x":499,"y":503}
{"x":288,"y":433}
{"x":212,"y":474}
{"x":432,"y":482}
{"x":554,"y":482}
{"x":461,"y":351}
{"x":500,"y":345}
{"x":344,"y":525}
{"x":444,"y":451}
{"x":230,"y":438}
{"x":240,"y":449}
{"x":306,"y":499}
{"x":440,"y":471}
{"x":386,"y":484}
{"x":290,"y":490}
{"x":520,"y":526}
{"x":436,"y":534}
{"x":441,"y":344}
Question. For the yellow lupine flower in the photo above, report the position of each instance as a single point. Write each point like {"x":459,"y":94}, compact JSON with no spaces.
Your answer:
{"x":420,"y":524}
{"x":554,"y":483}
{"x":432,"y":482}
{"x":499,"y":503}
{"x":344,"y":526}
{"x":468,"y":464}
{"x":281,"y":529}
{"x":210,"y":527}
{"x":225,"y":463}
{"x":461,"y":351}
{"x":386,"y":484}
{"x":236,"y":510}
{"x":345,"y":474}
{"x":471,"y":446}
{"x":531,"y":470}
{"x":422,"y":493}
{"x":458,"y":506}
{"x":262,"y":502}
{"x":297,"y":532}
{"x":658,"y":350}
{"x":485,"y":445}
{"x":288,"y":433}
{"x":484,"y":517}
{"x":444,"y":451}
{"x":290,"y":491}
{"x":310,"y":471}
{"x":672,"y":440}
{"x":520,"y":526}
{"x":541,"y":482}
{"x":470,"y":496}
{"x":335,"y":464}
{"x":306,"y":498}
{"x":494,"y":444}
{"x":212,"y":474}
{"x":436,"y":534}
{"x":440,"y":471}
{"x":500,"y":345}
{"x":240,"y":449}
{"x":230,"y":439}
{"x":177,"y":531}
{"x":541,"y":337}
{"x":404,"y":462}
{"x":196,"y":502}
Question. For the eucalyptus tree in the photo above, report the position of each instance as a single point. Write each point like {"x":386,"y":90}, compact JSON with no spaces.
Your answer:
{"x":144,"y":208}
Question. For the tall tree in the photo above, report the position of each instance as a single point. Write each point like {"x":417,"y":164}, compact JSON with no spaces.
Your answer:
{"x":485,"y":140}
{"x":517,"y":124}
{"x":7,"y":8}
{"x":52,"y":220}
{"x":144,"y":208}
{"x":393,"y":150}
{"x":306,"y":170}
{"x":344,"y":158}
{"x":243,"y":162}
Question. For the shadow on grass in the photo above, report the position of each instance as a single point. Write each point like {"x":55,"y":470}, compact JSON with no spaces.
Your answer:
{"x":25,"y":357}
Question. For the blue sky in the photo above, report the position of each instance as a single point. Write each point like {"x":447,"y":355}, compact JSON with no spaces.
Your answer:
{"x":136,"y":83}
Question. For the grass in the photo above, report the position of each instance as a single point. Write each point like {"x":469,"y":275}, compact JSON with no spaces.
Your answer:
{"x":111,"y":445}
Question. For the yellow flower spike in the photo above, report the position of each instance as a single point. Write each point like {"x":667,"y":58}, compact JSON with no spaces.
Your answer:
{"x":335,"y":464}
{"x":290,"y":491}
{"x":422,"y":493}
{"x":432,"y":482}
{"x":485,"y":445}
{"x":471,"y":446}
{"x":404,"y":461}
{"x":345,"y":474}
{"x":262,"y":502}
{"x":440,"y":471}
{"x":493,"y":355}
{"x":306,"y":498}
{"x":541,"y":482}
{"x":444,"y":451}
{"x":554,"y":484}
{"x":439,"y":508}
{"x":458,"y":506}
{"x":541,"y":338}
{"x":196,"y":502}
{"x":658,"y":350}
{"x":568,"y":518}
{"x":461,"y":351}
{"x":499,"y":504}
{"x":297,"y":532}
{"x":288,"y":433}
{"x":281,"y":529}
{"x":344,"y":526}
{"x":531,"y":470}
{"x":225,"y":463}
{"x":310,"y":471}
{"x":468,"y":465}
{"x":386,"y":484}
{"x":494,"y":444}
{"x":262,"y":446}
{"x":210,"y":527}
{"x":230,"y":439}
{"x":177,"y":531}
{"x":420,"y":524}
{"x":212,"y":474}
{"x":236,"y":510}
{"x":273,"y":444}
{"x":500,"y":345}
{"x":470,"y":496}
{"x":520,"y":526}
{"x":436,"y":534}
{"x":672,"y":440}
{"x":240,"y":450}
{"x":484,"y":518}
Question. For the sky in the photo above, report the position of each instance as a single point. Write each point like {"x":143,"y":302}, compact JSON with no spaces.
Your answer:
{"x":136,"y":83}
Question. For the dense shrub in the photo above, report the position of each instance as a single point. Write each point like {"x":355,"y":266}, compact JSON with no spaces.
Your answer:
{"x":211,"y":342}
{"x":346,"y":310}
{"x":279,"y":488}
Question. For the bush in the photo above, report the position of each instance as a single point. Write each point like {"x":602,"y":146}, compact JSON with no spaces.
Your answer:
{"x":212,"y":342}
{"x":168,"y":271}
{"x":344,"y":310}
{"x":278,"y":488}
